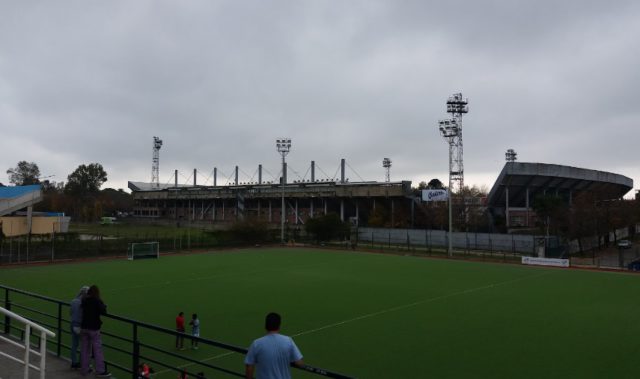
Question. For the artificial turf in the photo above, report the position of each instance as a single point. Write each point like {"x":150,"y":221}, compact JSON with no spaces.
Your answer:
{"x":373,"y":315}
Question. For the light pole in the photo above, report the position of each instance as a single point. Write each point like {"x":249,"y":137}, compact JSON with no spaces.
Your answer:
{"x":283,"y":145}
{"x":386,"y":163}
{"x":449,"y":131}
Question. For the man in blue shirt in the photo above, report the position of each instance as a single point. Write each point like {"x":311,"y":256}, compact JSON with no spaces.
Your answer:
{"x":272,"y":353}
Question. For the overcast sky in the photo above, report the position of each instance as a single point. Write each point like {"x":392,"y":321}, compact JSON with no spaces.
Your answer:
{"x":219,"y":81}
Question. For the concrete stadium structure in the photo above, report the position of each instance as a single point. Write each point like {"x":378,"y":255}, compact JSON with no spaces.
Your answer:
{"x":511,"y":196}
{"x":519,"y":183}
{"x":304,"y":199}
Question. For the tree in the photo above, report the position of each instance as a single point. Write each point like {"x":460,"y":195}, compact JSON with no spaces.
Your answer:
{"x":24,"y":174}
{"x":326,"y":228}
{"x":86,"y":179}
{"x":552,"y":212}
{"x":435,"y":184}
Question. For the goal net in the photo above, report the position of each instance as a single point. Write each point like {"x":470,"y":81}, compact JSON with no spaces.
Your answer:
{"x":140,"y":250}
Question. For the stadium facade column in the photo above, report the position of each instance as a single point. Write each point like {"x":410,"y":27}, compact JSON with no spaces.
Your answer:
{"x":506,"y":206}
{"x":570,"y":197}
{"x":413,"y":211}
{"x":311,"y":207}
{"x":213,"y":211}
{"x":392,"y":213}
{"x":223,"y":210}
{"x":325,"y":206}
{"x":297,"y":215}
{"x":342,"y":210}
{"x":357,"y":212}
{"x":270,"y":214}
{"x":527,"y":205}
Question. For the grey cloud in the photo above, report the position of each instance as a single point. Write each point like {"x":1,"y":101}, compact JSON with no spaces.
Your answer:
{"x":219,"y":81}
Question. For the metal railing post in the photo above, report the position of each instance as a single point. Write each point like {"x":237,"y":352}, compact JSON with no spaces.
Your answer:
{"x":43,"y":354}
{"x":136,"y":352}
{"x":27,"y":349}
{"x":59,"y":343}
{"x":7,"y":306}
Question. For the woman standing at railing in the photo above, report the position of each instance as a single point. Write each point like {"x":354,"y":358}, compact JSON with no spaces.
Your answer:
{"x":92,"y":308}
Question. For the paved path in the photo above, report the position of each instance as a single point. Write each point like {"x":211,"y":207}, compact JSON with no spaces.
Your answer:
{"x":57,"y":368}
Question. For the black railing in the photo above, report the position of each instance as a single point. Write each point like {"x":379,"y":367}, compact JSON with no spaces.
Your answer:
{"x":129,"y":346}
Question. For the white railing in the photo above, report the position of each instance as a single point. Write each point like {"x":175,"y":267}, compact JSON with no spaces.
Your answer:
{"x":26,"y":344}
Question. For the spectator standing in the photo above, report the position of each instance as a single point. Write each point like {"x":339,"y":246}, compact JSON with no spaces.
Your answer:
{"x":92,"y":308}
{"x":273,"y":353}
{"x":180,"y":329}
{"x":195,"y":330}
{"x":75,"y":312}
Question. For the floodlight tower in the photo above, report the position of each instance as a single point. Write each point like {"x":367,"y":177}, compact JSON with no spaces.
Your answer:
{"x":283,"y":145}
{"x":155,"y":165}
{"x":457,"y":106}
{"x":386,"y":163}
{"x":450,"y":130}
{"x":511,"y":155}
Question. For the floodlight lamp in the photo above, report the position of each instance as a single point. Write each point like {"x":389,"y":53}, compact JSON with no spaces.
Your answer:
{"x":283,"y":145}
{"x":457,"y":104}
{"x":386,"y":162}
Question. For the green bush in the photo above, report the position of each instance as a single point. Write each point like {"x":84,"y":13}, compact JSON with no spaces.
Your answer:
{"x":327,"y":228}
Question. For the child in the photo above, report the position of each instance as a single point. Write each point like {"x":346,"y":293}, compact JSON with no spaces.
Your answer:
{"x":195,"y":330}
{"x":144,"y":371}
{"x":180,"y":329}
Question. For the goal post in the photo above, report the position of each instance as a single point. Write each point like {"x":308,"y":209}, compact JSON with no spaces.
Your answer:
{"x":141,"y":250}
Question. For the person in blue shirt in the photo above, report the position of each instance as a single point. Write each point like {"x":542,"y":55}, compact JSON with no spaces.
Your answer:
{"x":273,"y":353}
{"x":75,"y":311}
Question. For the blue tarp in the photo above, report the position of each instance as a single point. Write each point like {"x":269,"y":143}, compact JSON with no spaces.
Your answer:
{"x":17,"y":191}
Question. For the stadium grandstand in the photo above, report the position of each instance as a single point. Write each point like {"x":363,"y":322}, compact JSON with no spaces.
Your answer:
{"x":219,"y":204}
{"x":519,"y":183}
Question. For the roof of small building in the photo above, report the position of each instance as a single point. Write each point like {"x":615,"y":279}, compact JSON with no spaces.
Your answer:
{"x":17,"y":191}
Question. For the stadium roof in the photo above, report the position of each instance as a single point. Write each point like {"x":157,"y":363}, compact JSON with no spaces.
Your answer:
{"x":17,"y":191}
{"x":15,"y":198}
{"x":543,"y":177}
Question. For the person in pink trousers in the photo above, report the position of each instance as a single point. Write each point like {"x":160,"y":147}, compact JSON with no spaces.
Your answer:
{"x":92,"y":308}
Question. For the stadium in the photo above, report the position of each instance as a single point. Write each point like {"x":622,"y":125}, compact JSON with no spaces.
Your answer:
{"x":511,"y":197}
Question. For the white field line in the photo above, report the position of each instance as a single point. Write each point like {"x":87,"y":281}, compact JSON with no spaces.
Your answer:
{"x":388,"y":310}
{"x":416,"y":303}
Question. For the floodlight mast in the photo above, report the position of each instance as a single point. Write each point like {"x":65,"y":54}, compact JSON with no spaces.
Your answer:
{"x":386,"y":163}
{"x":458,"y":106}
{"x":284,"y":146}
{"x":449,"y":131}
{"x":511,"y":155}
{"x":155,"y":165}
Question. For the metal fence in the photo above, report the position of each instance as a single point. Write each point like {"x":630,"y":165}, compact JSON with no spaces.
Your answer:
{"x":52,"y":247}
{"x":431,"y":240}
{"x":126,"y":342}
